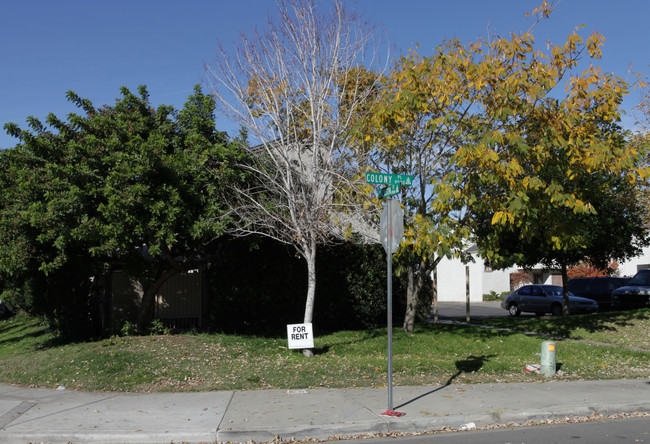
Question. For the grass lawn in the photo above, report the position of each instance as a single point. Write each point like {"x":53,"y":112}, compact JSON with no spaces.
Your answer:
{"x":625,"y":328}
{"x":435,"y":354}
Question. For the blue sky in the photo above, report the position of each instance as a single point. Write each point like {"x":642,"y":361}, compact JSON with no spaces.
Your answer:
{"x":95,"y":47}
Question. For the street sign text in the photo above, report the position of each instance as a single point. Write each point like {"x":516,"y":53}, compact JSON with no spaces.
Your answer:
{"x":389,"y":179}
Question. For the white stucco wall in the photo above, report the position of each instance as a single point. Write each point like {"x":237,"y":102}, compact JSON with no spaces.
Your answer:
{"x":629,"y":268}
{"x":496,"y":280}
{"x":451,"y":280}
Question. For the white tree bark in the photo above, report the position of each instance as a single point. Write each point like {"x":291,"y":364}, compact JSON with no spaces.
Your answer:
{"x":296,"y":87}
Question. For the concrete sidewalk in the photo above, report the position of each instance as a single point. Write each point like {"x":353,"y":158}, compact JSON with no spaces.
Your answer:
{"x":62,"y":416}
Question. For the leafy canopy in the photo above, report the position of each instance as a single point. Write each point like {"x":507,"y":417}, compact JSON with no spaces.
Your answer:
{"x":125,"y":184}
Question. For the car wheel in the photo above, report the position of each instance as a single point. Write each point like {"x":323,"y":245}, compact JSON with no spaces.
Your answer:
{"x":556,"y":310}
{"x":513,"y":309}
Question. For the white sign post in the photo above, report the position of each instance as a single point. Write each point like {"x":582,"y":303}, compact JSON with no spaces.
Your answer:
{"x":300,"y":336}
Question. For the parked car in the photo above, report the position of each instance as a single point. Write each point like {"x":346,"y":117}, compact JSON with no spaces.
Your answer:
{"x":597,"y":288}
{"x":542,"y":299}
{"x":636,"y":294}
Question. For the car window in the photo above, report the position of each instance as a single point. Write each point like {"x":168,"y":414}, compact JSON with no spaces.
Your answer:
{"x":524,"y":290}
{"x":554,"y":291}
{"x":641,"y":278}
{"x":613,"y":284}
{"x":536,"y":291}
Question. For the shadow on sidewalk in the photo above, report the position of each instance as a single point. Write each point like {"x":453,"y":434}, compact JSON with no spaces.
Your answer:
{"x":470,"y":364}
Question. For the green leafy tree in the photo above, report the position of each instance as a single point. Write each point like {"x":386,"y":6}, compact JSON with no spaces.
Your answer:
{"x":560,"y":237}
{"x":126,"y":185}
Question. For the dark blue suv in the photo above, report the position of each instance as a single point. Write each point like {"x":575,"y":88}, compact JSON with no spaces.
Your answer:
{"x":597,"y":288}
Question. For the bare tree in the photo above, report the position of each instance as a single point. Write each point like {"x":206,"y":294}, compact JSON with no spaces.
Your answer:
{"x":296,"y":88}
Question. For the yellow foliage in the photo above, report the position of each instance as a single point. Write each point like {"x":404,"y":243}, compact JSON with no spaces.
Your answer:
{"x":502,"y":217}
{"x":493,"y":106}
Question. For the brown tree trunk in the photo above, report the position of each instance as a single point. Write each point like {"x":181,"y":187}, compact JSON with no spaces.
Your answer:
{"x":435,"y":297}
{"x":467,"y":314}
{"x":416,"y":279}
{"x":565,"y":292}
{"x":145,"y":314}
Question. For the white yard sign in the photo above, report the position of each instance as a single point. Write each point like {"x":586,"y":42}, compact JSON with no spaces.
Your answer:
{"x":300,"y":336}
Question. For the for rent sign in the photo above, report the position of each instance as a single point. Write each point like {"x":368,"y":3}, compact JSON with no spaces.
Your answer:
{"x":300,"y":336}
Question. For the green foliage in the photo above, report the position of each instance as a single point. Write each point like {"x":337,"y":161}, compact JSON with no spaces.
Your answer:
{"x":534,"y":174}
{"x":128,"y":329}
{"x":494,"y":296}
{"x":556,"y":236}
{"x":352,"y":288}
{"x":263,"y":296}
{"x":125,"y":184}
{"x":544,"y":176}
{"x":158,"y":328}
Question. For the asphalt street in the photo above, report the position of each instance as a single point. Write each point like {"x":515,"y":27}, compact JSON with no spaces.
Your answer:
{"x":478,"y":310}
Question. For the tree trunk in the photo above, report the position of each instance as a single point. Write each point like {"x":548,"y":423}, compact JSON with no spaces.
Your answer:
{"x":435,"y":297}
{"x":101,"y":293}
{"x":416,"y":279}
{"x":310,"y":257}
{"x":148,"y":298}
{"x":565,"y":292}
{"x":467,"y":314}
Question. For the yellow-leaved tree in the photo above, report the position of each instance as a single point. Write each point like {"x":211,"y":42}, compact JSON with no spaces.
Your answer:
{"x":501,"y":131}
{"x":548,"y":176}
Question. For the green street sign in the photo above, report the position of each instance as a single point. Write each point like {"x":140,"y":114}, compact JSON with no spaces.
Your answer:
{"x":389,"y":179}
{"x":389,"y":190}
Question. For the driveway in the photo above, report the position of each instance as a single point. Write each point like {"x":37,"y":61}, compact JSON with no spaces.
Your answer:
{"x":477,"y":310}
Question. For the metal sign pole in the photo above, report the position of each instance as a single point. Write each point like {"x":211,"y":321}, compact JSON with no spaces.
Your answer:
{"x":391,"y":233}
{"x":389,"y":274}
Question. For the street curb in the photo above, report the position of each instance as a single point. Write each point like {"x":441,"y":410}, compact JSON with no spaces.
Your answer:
{"x":336,"y":431}
{"x":424,"y":425}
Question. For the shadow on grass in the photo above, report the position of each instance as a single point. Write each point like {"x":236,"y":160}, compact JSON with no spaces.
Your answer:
{"x":321,"y":350}
{"x":15,"y":330}
{"x":468,"y":365}
{"x":560,"y":326}
{"x":33,"y":335}
{"x":600,"y":322}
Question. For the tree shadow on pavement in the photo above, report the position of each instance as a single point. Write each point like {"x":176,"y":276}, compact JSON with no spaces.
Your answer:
{"x":468,"y":365}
